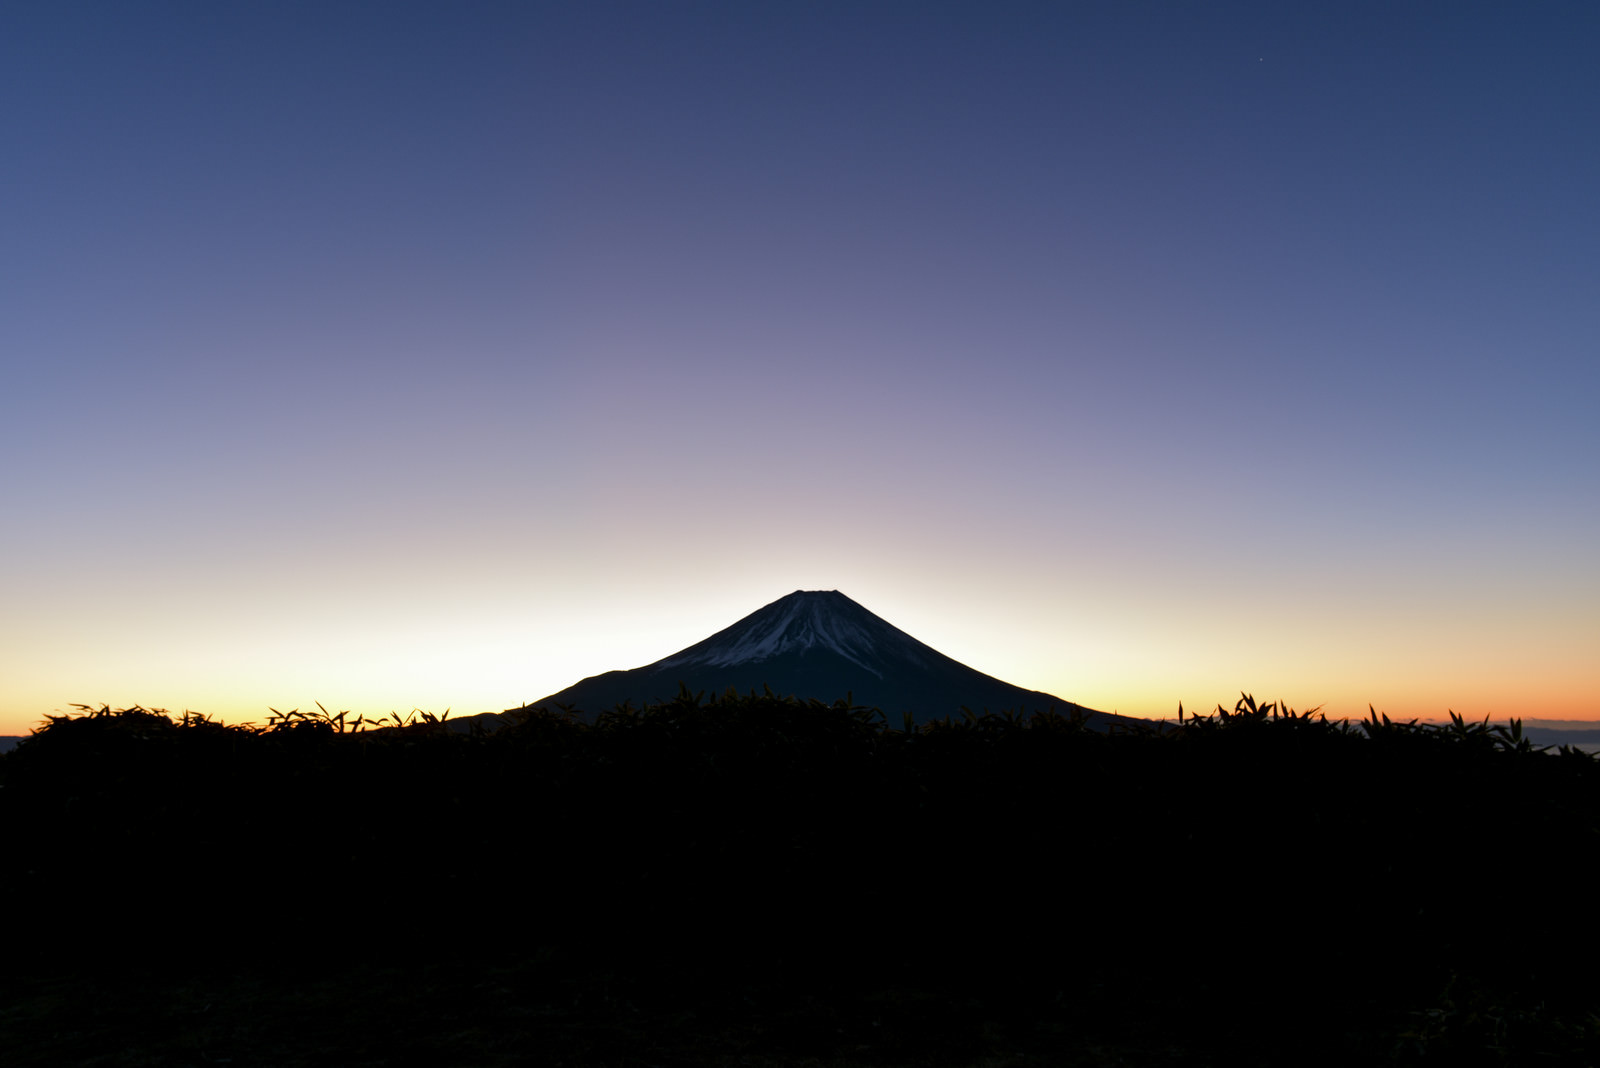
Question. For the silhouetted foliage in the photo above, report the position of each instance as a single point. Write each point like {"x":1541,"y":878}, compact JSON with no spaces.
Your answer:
{"x":1245,"y":875}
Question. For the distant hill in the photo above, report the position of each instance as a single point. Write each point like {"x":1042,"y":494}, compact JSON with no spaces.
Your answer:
{"x":819,"y":644}
{"x":1584,"y":733}
{"x":9,"y":742}
{"x":1586,"y":739}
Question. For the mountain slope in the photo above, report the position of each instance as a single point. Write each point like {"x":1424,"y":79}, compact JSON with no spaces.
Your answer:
{"x":818,"y":644}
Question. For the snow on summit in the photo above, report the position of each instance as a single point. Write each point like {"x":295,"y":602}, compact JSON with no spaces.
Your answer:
{"x":806,"y":619}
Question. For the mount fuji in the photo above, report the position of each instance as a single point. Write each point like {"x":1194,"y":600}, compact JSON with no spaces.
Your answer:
{"x":818,"y":644}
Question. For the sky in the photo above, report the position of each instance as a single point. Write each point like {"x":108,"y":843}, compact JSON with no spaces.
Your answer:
{"x":436,"y":356}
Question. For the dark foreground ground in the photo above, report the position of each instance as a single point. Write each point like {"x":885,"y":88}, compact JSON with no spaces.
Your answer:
{"x":757,"y":882}
{"x":519,"y":1013}
{"x":544,"y":1010}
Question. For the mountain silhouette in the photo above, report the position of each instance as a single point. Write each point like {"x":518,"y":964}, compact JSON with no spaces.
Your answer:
{"x":818,"y":644}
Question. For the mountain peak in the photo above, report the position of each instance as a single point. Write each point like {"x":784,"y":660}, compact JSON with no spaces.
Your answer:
{"x":819,"y":644}
{"x":799,"y":623}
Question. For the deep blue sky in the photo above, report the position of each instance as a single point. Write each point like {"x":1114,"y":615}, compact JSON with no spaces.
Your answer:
{"x":442,"y":354}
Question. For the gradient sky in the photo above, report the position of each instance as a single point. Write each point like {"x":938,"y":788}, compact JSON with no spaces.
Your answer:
{"x":439,"y":355}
